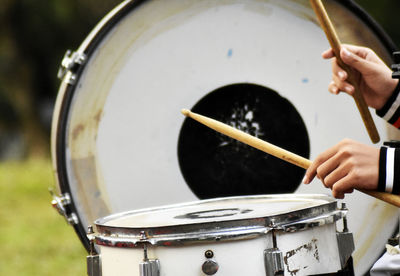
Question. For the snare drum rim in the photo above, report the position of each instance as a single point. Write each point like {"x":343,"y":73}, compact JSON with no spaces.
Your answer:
{"x":66,"y":94}
{"x":227,"y":230}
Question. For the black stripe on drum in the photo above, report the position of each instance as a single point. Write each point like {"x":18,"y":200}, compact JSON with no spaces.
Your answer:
{"x":382,"y":169}
{"x":396,"y":177}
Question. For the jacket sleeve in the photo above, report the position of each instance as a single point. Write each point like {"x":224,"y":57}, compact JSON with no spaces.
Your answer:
{"x":389,"y":170}
{"x":389,"y":158}
{"x":391,"y":110}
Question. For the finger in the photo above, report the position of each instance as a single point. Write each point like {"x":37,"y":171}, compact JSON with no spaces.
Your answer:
{"x":341,"y":195}
{"x":312,"y":170}
{"x":349,"y":191}
{"x":338,"y":71}
{"x":332,"y":176}
{"x":333,"y":88}
{"x":355,"y":61}
{"x":327,"y":54}
{"x":337,"y":195}
{"x":343,"y":185}
{"x":343,"y":85}
{"x":357,"y":50}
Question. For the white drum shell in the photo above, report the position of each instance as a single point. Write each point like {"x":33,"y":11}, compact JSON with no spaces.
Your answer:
{"x":305,"y":233}
{"x":245,"y":257}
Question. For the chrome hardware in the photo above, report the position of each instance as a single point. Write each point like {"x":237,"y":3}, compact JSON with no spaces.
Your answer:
{"x":346,"y":246}
{"x":209,"y":267}
{"x":70,"y":63}
{"x":149,"y":267}
{"x":59,"y":203}
{"x":345,"y":241}
{"x":209,"y":254}
{"x":273,"y":259}
{"x":344,"y":208}
{"x":93,"y":261}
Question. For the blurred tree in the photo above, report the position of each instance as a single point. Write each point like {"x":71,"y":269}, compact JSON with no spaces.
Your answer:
{"x":34,"y":37}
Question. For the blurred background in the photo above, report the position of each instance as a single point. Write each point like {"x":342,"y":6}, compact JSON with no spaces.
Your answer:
{"x":34,"y":35}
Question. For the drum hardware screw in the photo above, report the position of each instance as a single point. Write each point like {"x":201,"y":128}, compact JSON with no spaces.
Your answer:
{"x":274,"y":243}
{"x":209,"y":254}
{"x":209,"y":267}
{"x":143,"y":235}
{"x":70,"y":63}
{"x":145,"y":257}
{"x":272,"y":223}
{"x":149,"y":267}
{"x":273,"y":258}
{"x":90,"y":232}
{"x":60,"y":203}
{"x":344,"y":208}
{"x":93,"y":263}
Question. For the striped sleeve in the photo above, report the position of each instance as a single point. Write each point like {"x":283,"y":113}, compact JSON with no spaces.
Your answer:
{"x":389,"y":177}
{"x":391,"y":110}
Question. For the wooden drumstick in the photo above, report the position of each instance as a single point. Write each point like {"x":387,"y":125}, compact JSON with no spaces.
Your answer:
{"x":334,"y":41}
{"x":274,"y":150}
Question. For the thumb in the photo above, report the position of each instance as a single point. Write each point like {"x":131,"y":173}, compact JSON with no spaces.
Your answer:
{"x":360,"y":64}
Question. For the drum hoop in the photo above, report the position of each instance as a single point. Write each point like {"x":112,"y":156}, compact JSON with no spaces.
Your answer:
{"x":88,"y":46}
{"x":235,"y":229}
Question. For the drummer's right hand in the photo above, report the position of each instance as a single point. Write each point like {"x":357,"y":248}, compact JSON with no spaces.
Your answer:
{"x":346,"y":166}
{"x":373,"y":77}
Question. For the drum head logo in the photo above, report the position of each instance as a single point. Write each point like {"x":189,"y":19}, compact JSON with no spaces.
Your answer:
{"x":216,"y":213}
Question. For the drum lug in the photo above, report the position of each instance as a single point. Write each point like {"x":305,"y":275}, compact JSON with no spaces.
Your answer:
{"x":273,"y":259}
{"x":149,"y":267}
{"x":70,"y":64}
{"x":93,"y":261}
{"x":59,"y":203}
{"x":345,"y":241}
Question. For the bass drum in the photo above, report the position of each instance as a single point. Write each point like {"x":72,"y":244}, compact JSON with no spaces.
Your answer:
{"x":120,"y":143}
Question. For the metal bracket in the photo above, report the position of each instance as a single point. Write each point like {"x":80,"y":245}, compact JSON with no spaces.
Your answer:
{"x":70,"y":64}
{"x":93,"y":261}
{"x":345,"y":241}
{"x":273,"y":258}
{"x":59,"y":203}
{"x":149,"y":267}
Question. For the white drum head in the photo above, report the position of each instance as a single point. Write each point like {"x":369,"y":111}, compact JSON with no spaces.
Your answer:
{"x":120,"y":142}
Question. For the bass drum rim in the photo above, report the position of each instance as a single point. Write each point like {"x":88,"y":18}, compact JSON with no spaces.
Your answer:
{"x":66,"y":93}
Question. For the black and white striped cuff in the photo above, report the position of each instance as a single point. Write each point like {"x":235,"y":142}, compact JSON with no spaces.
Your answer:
{"x":391,"y":110}
{"x":389,"y":177}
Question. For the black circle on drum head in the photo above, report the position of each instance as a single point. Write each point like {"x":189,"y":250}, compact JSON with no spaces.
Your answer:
{"x":214,"y":165}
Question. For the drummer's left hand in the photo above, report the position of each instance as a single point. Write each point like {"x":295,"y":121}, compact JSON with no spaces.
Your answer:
{"x":346,"y":166}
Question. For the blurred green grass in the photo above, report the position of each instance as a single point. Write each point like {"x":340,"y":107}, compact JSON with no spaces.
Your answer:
{"x":34,"y":239}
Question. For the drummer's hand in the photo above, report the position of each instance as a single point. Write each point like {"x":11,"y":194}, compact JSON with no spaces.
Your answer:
{"x":346,"y":166}
{"x":374,"y":78}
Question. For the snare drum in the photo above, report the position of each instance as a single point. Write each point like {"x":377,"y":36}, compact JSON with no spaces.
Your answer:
{"x":253,"y":235}
{"x":119,"y":142}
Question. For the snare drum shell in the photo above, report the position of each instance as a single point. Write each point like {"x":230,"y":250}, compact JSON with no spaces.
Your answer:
{"x":234,"y":229}
{"x":305,"y":253}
